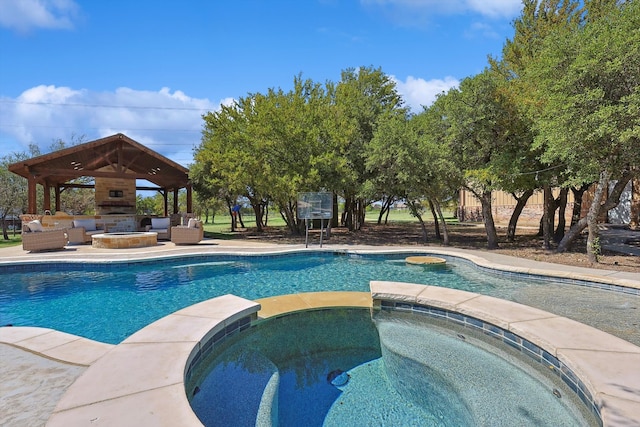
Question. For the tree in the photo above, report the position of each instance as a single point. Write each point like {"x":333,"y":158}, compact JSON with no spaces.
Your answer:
{"x":231,"y":154}
{"x":589,"y":115}
{"x":269,"y":147}
{"x":440,"y":178}
{"x":362,"y":97}
{"x":488,"y":138}
{"x":13,"y":191}
{"x":538,"y":21}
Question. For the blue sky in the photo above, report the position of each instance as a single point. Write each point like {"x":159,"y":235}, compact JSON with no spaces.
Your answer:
{"x":150,"y":69}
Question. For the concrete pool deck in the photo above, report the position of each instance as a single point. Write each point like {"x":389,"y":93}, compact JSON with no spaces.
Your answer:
{"x":611,"y":368}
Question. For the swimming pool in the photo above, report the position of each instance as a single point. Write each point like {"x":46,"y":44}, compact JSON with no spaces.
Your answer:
{"x":398,"y":370}
{"x":110,"y":301}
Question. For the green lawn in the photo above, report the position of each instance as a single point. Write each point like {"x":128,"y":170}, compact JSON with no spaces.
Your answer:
{"x":13,"y":240}
{"x":221,"y":228}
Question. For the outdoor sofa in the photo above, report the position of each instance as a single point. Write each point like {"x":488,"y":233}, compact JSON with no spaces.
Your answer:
{"x":35,"y":238}
{"x":83,"y":229}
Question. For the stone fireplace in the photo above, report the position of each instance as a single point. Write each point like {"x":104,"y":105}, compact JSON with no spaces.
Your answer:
{"x":115,"y":196}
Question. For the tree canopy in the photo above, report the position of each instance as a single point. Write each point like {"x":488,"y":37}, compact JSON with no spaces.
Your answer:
{"x":560,"y":108}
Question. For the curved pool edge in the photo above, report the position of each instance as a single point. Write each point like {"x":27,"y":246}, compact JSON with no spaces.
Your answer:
{"x":482,"y":259}
{"x":142,"y":380}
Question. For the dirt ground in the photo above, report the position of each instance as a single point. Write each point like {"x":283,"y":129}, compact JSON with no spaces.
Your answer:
{"x":526,"y":245}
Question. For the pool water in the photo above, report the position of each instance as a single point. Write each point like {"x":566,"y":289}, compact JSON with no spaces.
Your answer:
{"x":401,"y":371}
{"x":109,"y":302}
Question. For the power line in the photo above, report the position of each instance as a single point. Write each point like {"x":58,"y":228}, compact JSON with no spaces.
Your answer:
{"x":94,"y":128}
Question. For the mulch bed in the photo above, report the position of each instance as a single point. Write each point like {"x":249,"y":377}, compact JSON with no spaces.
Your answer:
{"x":468,"y":236}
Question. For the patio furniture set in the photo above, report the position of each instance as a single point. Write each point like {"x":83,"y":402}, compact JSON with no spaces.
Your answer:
{"x":36,"y":238}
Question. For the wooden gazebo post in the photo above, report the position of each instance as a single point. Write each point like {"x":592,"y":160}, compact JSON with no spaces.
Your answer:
{"x":46,"y":204}
{"x":32,"y":208}
{"x":175,"y":200}
{"x":189,"y":197}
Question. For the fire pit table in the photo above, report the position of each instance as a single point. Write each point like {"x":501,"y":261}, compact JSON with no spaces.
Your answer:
{"x":124,"y":240}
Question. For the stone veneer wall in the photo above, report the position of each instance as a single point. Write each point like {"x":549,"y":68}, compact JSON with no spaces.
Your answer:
{"x":112,"y":223}
{"x":529,"y":217}
{"x":105,"y":204}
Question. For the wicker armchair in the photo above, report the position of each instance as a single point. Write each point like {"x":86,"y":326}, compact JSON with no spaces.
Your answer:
{"x":44,"y":240}
{"x":162,"y":226}
{"x":184,"y":235}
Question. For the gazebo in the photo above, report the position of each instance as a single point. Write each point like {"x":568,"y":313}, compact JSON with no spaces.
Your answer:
{"x":115,"y":162}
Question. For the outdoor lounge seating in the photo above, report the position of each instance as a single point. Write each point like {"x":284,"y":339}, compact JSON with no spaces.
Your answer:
{"x":35,"y":238}
{"x":162,"y":226}
{"x":83,"y":229}
{"x":189,"y":234}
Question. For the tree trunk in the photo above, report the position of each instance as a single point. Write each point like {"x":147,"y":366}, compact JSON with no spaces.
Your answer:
{"x":562,"y":208}
{"x":240,"y":219}
{"x":416,"y":212}
{"x":487,"y":219}
{"x":521,"y":202}
{"x":350,"y":213}
{"x":577,"y":203}
{"x":381,"y":214}
{"x":386,"y":207}
{"x":547,"y":216}
{"x":436,"y":226}
{"x":445,"y":232}
{"x":288,"y":215}
{"x":257,"y":210}
{"x":234,"y":225}
{"x":581,"y":224}
{"x":361,"y":213}
{"x":593,"y":240}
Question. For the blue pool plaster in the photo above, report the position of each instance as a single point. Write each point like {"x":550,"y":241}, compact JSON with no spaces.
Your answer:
{"x":108,"y":301}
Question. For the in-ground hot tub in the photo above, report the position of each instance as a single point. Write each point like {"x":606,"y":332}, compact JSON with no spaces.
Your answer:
{"x":124,"y":240}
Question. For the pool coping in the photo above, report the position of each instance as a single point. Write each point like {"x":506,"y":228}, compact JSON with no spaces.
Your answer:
{"x":169,"y":345}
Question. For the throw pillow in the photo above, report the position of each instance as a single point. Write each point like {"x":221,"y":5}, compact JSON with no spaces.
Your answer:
{"x":88,"y":224}
{"x":160,"y":223}
{"x":35,"y":225}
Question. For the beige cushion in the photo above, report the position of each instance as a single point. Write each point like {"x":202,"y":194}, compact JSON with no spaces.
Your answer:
{"x":192,"y":223}
{"x":160,"y":223}
{"x":88,"y":224}
{"x":35,"y":225}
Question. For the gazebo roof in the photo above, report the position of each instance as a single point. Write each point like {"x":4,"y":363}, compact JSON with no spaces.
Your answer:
{"x":115,"y":156}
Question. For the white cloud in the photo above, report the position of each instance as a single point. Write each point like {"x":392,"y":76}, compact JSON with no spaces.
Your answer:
{"x":168,"y":122}
{"x":415,"y":8}
{"x":418,"y":92}
{"x":496,"y":8}
{"x":25,"y":15}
